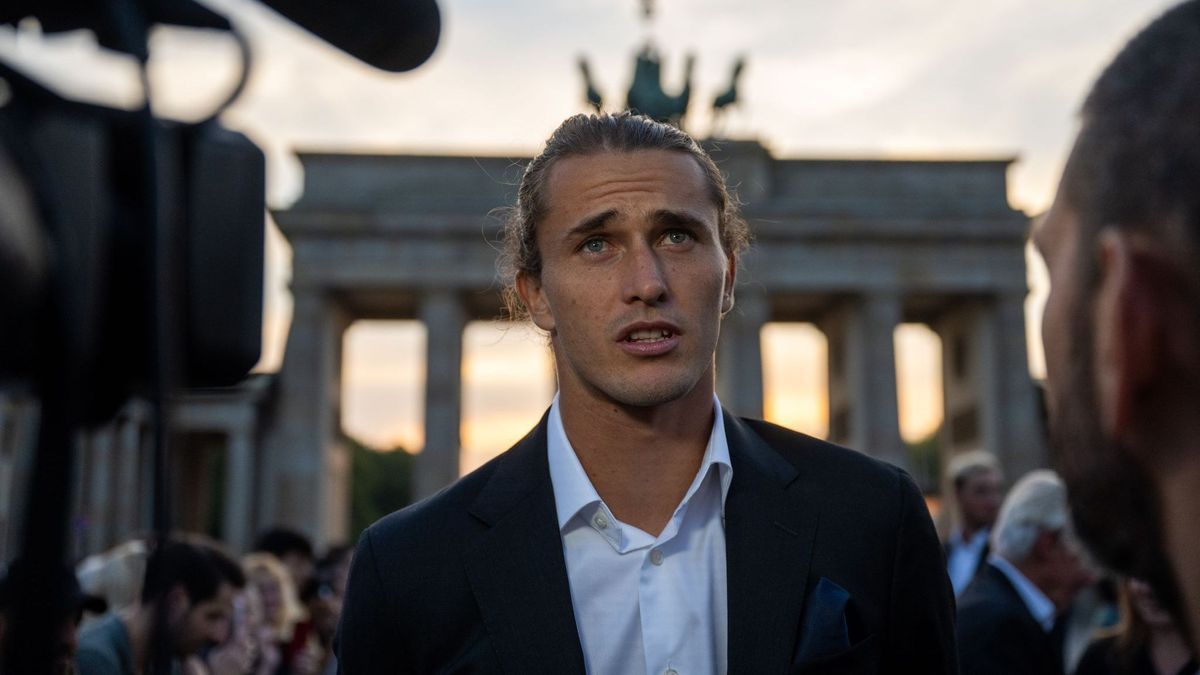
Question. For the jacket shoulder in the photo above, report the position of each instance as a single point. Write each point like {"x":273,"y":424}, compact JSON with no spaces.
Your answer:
{"x":815,"y":456}
{"x":990,"y":601}
{"x":444,"y":514}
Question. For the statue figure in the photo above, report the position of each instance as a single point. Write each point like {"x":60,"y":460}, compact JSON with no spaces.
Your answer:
{"x":646,"y":94}
{"x":593,"y":95}
{"x":728,"y":97}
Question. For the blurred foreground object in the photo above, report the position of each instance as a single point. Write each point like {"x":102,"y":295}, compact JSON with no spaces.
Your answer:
{"x":133,"y":248}
{"x":1122,"y":321}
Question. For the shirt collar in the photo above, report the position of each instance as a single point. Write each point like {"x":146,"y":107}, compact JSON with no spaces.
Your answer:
{"x":573,"y":490}
{"x":977,"y":541}
{"x":1035,"y":600}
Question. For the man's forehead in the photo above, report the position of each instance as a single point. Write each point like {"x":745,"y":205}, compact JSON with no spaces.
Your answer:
{"x":1050,"y":227}
{"x":597,"y":174}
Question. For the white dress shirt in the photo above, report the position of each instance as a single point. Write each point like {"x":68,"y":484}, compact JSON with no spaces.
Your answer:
{"x":964,"y":557}
{"x":646,"y":604}
{"x":1041,"y":607}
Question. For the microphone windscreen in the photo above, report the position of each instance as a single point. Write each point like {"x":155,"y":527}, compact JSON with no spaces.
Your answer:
{"x":392,"y":35}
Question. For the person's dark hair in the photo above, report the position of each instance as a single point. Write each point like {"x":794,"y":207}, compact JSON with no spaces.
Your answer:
{"x":1136,"y":163}
{"x":280,"y":541}
{"x":334,"y":556}
{"x":199,"y":568}
{"x":583,"y":135}
{"x":1135,"y":166}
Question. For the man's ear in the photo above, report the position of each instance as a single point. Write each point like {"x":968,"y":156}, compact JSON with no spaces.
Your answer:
{"x":1044,"y":545}
{"x":730,"y":282}
{"x":1128,"y":323}
{"x":532,"y":296}
{"x":177,"y":602}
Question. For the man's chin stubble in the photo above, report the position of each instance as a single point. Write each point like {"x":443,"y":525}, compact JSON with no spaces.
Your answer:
{"x":1113,"y":502}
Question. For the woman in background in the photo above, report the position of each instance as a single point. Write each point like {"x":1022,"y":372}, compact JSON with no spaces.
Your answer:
{"x":1146,"y":642}
{"x":283,"y":615}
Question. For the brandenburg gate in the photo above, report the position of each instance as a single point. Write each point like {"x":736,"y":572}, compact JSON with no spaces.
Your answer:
{"x":855,"y":247}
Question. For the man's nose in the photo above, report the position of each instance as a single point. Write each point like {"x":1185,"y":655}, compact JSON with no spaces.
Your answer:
{"x":645,"y":278}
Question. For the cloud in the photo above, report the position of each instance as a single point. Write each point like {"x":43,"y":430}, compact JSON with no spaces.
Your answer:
{"x":856,"y":77}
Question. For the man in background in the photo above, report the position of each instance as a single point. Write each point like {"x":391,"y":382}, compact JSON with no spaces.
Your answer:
{"x":1008,"y":617}
{"x":978,"y":490}
{"x":192,"y":585}
{"x":1122,"y":321}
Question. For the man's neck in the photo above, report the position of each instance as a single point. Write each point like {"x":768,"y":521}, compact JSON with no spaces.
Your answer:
{"x":968,"y":532}
{"x":1047,"y":579}
{"x":139,"y":622}
{"x":641,"y":460}
{"x":1180,"y":508}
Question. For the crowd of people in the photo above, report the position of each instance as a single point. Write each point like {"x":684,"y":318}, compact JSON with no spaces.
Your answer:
{"x":1030,"y":600}
{"x":273,"y":612}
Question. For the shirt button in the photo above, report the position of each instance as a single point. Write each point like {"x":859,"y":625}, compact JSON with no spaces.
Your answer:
{"x":600,"y":520}
{"x":656,"y":557}
{"x":670,"y":671}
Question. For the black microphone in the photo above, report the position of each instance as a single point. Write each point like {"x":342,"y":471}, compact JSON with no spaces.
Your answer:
{"x":392,"y":35}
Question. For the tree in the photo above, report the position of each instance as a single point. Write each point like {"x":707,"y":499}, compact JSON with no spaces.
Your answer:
{"x":380,"y":482}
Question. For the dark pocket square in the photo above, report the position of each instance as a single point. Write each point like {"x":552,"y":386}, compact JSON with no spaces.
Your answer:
{"x":824,"y":630}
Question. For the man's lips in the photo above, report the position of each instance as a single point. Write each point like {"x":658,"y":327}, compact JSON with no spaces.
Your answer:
{"x":647,"y":331}
{"x":648,"y":338}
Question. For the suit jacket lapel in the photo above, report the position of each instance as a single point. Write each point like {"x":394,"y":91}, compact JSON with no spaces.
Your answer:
{"x":769,"y":536}
{"x":517,"y":570}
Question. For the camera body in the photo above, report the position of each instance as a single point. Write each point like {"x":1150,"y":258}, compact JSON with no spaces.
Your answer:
{"x":110,"y":244}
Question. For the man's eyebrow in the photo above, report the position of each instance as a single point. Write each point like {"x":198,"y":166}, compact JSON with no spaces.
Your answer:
{"x":670,"y":217}
{"x":590,"y":224}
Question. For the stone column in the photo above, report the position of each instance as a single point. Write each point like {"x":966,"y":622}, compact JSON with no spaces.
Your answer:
{"x":739,"y":354}
{"x":962,"y":343}
{"x":1020,"y":426}
{"x":129,"y":516}
{"x":863,"y":409}
{"x":445,"y":319}
{"x":239,"y":487}
{"x":303,"y":474}
{"x":100,"y":447}
{"x":991,"y":401}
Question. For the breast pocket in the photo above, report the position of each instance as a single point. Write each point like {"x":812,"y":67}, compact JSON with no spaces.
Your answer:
{"x":477,"y":658}
{"x":861,"y":657}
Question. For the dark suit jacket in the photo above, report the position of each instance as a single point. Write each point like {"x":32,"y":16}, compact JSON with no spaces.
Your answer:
{"x":473,"y":579}
{"x":996,"y":633}
{"x":983,"y":556}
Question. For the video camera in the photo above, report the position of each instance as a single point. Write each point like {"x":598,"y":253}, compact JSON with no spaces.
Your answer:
{"x":131,"y":249}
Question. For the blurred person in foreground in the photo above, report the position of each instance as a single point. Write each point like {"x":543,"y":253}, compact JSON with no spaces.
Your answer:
{"x":115,"y":575}
{"x":193,"y":584}
{"x":1146,"y":642}
{"x":978,"y":488}
{"x":1122,"y":321}
{"x":1008,"y":618}
{"x":76,"y":601}
{"x":640,"y":528}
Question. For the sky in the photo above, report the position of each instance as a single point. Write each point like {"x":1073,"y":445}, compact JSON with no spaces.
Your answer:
{"x":854,"y":78}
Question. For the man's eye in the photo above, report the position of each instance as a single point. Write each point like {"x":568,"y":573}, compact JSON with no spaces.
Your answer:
{"x":594,"y":245}
{"x":678,"y":237}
